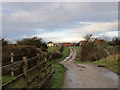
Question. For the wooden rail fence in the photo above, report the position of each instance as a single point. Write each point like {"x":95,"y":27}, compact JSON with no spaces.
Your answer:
{"x":31,"y":77}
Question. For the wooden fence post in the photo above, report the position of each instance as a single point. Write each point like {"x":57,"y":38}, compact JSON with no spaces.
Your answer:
{"x":45,"y":62}
{"x":38,"y":62}
{"x":12,"y":72}
{"x":107,"y":52}
{"x":50,"y":62}
{"x":25,"y":72}
{"x":45,"y":57}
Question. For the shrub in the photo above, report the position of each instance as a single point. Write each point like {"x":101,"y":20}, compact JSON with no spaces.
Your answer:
{"x":4,"y":42}
{"x":61,"y":49}
{"x":56,"y":55}
{"x":96,"y":52}
{"x":96,"y":48}
{"x":113,"y":49}
{"x":100,"y":52}
{"x":34,"y":41}
{"x":88,"y":52}
{"x":19,"y":51}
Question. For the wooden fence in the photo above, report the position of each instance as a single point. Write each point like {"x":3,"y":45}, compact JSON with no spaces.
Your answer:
{"x":31,"y":77}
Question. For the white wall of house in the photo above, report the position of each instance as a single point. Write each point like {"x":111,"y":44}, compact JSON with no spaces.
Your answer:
{"x":50,"y":44}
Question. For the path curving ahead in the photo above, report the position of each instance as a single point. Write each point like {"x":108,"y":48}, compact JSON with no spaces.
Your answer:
{"x":87,"y":75}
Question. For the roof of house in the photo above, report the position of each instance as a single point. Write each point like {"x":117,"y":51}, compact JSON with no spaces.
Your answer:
{"x":49,"y":42}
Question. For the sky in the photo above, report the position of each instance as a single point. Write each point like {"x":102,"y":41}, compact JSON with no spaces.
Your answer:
{"x":59,"y":21}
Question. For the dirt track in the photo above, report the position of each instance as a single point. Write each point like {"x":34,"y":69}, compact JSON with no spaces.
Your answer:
{"x":87,"y":75}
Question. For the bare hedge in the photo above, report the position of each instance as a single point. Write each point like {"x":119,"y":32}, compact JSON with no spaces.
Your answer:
{"x":92,"y":52}
{"x":19,"y":51}
{"x":88,"y":52}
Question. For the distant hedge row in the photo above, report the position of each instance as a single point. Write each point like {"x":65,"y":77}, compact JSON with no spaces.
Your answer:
{"x":19,"y":51}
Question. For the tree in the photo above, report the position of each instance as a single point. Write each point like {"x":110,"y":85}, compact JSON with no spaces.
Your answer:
{"x":34,"y":41}
{"x":115,"y":41}
{"x":44,"y":46}
{"x":88,"y":37}
{"x":4,"y":42}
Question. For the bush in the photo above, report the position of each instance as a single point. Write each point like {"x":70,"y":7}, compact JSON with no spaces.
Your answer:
{"x":56,"y":55}
{"x":113,"y":49}
{"x":19,"y":51}
{"x":96,"y":49}
{"x":88,"y":52}
{"x":4,"y":42}
{"x":34,"y":41}
{"x":61,"y":49}
{"x":100,"y":52}
{"x":95,"y":52}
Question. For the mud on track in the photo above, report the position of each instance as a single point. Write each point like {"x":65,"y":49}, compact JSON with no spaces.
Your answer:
{"x":87,"y":75}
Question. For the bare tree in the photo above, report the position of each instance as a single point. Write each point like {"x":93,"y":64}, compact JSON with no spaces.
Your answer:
{"x":88,"y":37}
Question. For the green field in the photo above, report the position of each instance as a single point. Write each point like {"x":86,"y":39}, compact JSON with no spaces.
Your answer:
{"x":52,"y":49}
{"x":58,"y":76}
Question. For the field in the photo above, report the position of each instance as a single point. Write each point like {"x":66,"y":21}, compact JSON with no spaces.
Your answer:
{"x":58,"y":76}
{"x":52,"y":49}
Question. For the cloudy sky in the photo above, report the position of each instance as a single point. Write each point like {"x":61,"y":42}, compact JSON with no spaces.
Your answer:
{"x":59,"y":21}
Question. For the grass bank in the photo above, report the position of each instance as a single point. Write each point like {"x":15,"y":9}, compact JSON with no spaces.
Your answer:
{"x":58,"y":76}
{"x":78,"y":50}
{"x":110,"y":62}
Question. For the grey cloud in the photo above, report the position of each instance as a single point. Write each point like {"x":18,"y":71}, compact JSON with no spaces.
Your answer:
{"x":24,"y":18}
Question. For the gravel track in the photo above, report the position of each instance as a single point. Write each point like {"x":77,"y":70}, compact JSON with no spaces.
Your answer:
{"x":87,"y":75}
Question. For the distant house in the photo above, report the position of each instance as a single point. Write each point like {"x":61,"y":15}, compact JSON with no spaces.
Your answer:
{"x":58,"y":44}
{"x":50,"y":44}
{"x":67,"y":44}
{"x":82,"y":43}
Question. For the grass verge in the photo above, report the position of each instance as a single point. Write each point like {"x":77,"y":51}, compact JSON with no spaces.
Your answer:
{"x":110,"y":62}
{"x":5,"y":79}
{"x":58,"y":76}
{"x":78,"y":56}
